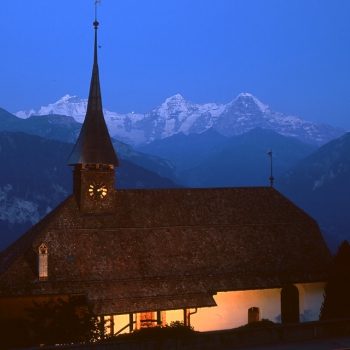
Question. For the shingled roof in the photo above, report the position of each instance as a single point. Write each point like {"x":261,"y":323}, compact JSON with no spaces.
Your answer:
{"x":169,"y":249}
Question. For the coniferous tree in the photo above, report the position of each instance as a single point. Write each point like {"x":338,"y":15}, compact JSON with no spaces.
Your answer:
{"x":336,"y":294}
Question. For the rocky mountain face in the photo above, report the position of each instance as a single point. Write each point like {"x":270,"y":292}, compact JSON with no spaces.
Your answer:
{"x":176,"y":115}
{"x":32,"y":182}
{"x":320,"y":184}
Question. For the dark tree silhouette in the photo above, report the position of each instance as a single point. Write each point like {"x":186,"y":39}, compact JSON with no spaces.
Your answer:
{"x":15,"y":333}
{"x":49,"y":323}
{"x":336,"y":294}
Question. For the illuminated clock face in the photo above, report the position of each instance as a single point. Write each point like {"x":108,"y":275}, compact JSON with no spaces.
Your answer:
{"x":98,"y":190}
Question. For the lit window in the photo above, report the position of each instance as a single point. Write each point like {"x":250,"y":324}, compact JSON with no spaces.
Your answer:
{"x":43,"y":262}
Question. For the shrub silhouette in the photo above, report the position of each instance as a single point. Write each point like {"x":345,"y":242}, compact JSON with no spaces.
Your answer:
{"x":175,"y":329}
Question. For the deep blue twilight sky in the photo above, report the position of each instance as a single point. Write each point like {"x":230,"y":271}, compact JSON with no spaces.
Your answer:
{"x":294,"y":55}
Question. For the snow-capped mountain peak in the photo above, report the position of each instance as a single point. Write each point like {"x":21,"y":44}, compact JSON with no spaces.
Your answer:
{"x":69,"y":105}
{"x":72,"y":106}
{"x":173,"y":106}
{"x":247,"y":99}
{"x":176,"y":97}
{"x":66,"y":98}
{"x":177,"y":115}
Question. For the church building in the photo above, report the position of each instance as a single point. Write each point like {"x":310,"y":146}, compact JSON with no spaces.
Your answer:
{"x":214,"y":258}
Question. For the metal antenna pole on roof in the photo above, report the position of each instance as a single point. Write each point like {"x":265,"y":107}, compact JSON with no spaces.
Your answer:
{"x":271,"y":176}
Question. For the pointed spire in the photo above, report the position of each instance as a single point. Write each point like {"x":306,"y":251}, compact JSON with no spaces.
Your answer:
{"x":94,"y":145}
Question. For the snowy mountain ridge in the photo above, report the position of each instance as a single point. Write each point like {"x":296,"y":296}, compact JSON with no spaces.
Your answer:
{"x":177,"y":115}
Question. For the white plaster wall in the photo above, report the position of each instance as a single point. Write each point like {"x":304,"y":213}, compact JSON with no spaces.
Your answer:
{"x":232,"y":309}
{"x":310,"y":300}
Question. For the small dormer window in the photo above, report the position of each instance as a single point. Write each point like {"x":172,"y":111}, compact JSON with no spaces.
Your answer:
{"x":43,"y":262}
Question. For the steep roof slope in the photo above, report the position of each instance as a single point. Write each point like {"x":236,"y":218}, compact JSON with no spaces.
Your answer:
{"x":166,"y":249}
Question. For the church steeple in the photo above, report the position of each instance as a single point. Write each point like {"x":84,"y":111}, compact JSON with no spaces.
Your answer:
{"x":94,"y":146}
{"x":93,"y":155}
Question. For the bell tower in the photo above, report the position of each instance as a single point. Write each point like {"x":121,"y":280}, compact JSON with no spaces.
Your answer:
{"x":93,"y":155}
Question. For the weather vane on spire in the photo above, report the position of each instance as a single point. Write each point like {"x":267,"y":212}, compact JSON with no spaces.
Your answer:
{"x":97,"y":2}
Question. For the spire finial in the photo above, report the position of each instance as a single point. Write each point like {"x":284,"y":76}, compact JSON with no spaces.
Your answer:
{"x":96,"y":27}
{"x":271,"y":176}
{"x":96,"y":2}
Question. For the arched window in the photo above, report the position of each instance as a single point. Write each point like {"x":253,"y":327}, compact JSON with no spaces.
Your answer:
{"x":290,"y":304}
{"x":43,"y":267}
{"x":253,"y":314}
